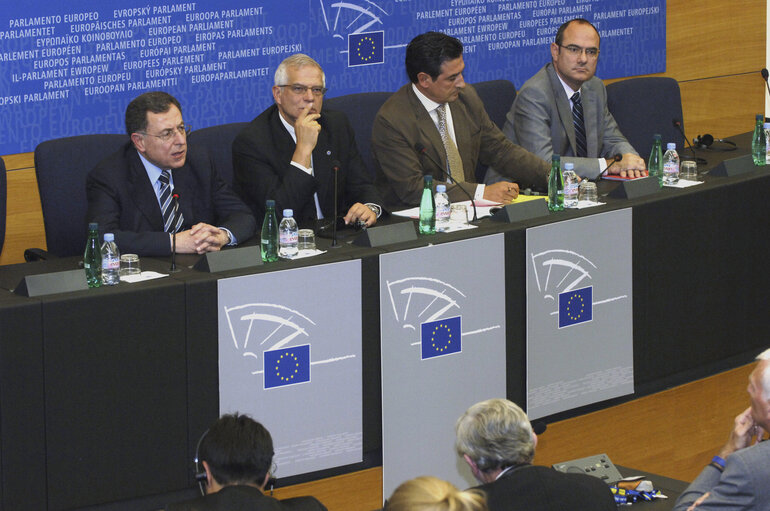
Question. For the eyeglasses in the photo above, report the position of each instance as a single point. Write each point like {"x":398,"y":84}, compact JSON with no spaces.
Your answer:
{"x":576,"y":51}
{"x":166,"y":135}
{"x":301,"y":90}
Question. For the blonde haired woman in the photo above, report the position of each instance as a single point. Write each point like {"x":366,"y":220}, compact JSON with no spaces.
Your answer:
{"x":432,"y":494}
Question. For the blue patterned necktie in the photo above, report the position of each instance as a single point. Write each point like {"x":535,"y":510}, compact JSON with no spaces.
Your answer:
{"x":580,"y":127}
{"x":167,"y":204}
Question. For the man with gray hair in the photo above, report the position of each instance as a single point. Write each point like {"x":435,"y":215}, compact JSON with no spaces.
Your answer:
{"x":290,"y":151}
{"x":496,"y":440}
{"x":738,"y":478}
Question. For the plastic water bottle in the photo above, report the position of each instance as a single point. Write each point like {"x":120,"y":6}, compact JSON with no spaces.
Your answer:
{"x":92,"y":257}
{"x":288,"y":236}
{"x":427,"y":208}
{"x":655,"y":163}
{"x":766,"y":127}
{"x":269,"y":246}
{"x":570,"y":185}
{"x":670,"y":165}
{"x":110,"y":261}
{"x":443,"y":208}
{"x":555,"y":185}
{"x":759,"y":142}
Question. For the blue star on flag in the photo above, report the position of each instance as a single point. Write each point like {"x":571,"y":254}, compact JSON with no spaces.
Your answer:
{"x":442,"y":337}
{"x":287,"y":366}
{"x":366,"y":48}
{"x":576,"y":306}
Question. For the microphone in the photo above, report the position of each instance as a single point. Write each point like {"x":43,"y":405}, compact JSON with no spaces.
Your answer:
{"x":424,"y":152}
{"x":678,"y":125}
{"x":615,"y":159}
{"x":175,"y":198}
{"x":765,"y":75}
{"x":335,"y":168}
{"x":538,"y":427}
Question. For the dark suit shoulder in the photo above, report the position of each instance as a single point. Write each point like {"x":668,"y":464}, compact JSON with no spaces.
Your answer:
{"x":245,"y":498}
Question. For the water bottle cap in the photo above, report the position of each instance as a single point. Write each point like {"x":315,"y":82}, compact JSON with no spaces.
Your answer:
{"x":656,"y":136}
{"x":93,"y":226}
{"x":671,"y":146}
{"x":270,"y":203}
{"x":440,"y":188}
{"x":569,"y":166}
{"x":109,"y":237}
{"x":555,"y":157}
{"x":760,"y":117}
{"x":428,"y":178}
{"x":288,"y":213}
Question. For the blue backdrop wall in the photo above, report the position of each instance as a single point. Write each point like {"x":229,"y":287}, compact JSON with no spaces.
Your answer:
{"x":69,"y":70}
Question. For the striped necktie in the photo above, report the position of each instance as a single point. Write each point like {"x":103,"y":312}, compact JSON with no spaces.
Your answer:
{"x":167,"y":204}
{"x":454,"y":162}
{"x":580,"y":127}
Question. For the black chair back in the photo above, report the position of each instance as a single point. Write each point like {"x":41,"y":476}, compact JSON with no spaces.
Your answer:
{"x":643,"y":107}
{"x":3,"y":200}
{"x":361,"y":109}
{"x":218,"y":141}
{"x":497,"y":96}
{"x":61,"y":166}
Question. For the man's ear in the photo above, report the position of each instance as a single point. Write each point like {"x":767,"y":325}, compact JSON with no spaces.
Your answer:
{"x":212,"y":486}
{"x":424,"y":80}
{"x":138,"y":140}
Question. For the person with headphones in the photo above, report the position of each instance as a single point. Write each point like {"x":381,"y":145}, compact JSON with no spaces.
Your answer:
{"x":233,"y":466}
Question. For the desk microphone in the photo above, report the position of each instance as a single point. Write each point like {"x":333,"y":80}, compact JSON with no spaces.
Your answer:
{"x":678,"y":125}
{"x":423,"y":152}
{"x":765,"y":75}
{"x":335,"y":168}
{"x":615,"y":159}
{"x":174,"y":220}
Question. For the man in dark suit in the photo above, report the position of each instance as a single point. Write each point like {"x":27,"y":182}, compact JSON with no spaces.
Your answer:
{"x":131,"y":192}
{"x":288,"y":153}
{"x":542,"y":117}
{"x":496,"y":440}
{"x":437,"y":125}
{"x":235,"y":457}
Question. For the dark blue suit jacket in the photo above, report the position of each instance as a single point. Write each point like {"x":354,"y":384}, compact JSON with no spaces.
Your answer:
{"x":122,"y":200}
{"x":262,"y":163}
{"x":245,"y":498}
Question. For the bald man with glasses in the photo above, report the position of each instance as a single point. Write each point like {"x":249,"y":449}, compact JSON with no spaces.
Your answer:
{"x":563,"y":110}
{"x":290,"y":151}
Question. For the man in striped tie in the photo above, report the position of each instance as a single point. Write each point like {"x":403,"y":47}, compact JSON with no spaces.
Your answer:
{"x":156,"y":185}
{"x":563,"y":110}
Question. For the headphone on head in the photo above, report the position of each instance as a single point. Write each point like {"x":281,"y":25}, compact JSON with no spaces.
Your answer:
{"x":200,"y":472}
{"x":707,"y":142}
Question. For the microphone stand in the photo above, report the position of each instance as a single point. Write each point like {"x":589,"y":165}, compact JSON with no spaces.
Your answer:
{"x":335,"y":169}
{"x":173,"y":268}
{"x":698,"y":160}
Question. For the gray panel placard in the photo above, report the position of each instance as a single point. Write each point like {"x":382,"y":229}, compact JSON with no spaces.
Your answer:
{"x":290,"y":356}
{"x":431,"y":375}
{"x":579,"y":312}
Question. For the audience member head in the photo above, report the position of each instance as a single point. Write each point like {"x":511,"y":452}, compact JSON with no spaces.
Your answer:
{"x":493,"y":435}
{"x":154,"y":123}
{"x":759,"y":390}
{"x":432,"y":494}
{"x":299,"y":86}
{"x":575,"y":52}
{"x":434,"y":64}
{"x":236,"y":450}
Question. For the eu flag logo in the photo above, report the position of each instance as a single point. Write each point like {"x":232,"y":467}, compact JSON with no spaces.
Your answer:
{"x":367,"y":48}
{"x":576,"y":306}
{"x":441,"y":337}
{"x":287,"y":366}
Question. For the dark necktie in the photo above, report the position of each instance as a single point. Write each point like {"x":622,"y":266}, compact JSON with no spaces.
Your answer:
{"x":166,"y":204}
{"x":580,"y":127}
